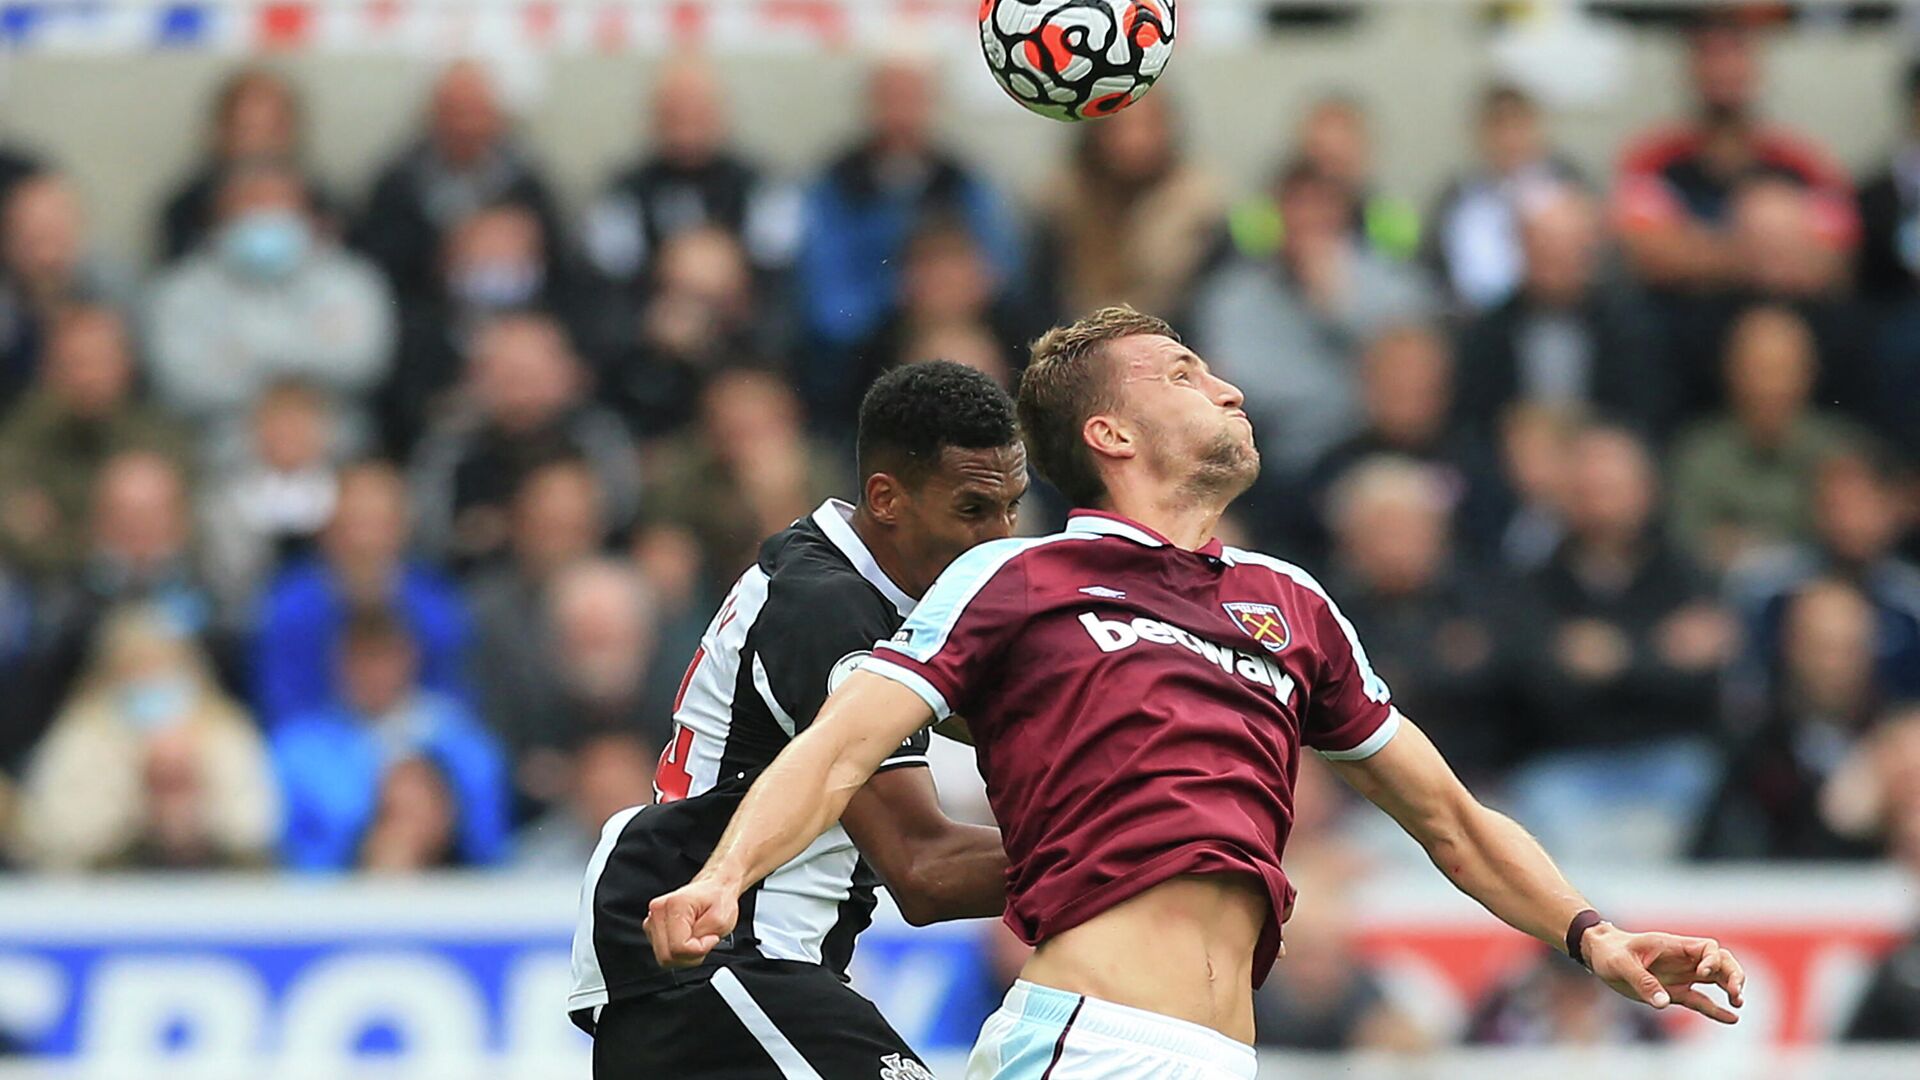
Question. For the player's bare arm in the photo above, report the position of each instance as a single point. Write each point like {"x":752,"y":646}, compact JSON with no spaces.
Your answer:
{"x":798,"y":797}
{"x":935,"y":868}
{"x":1492,"y":859}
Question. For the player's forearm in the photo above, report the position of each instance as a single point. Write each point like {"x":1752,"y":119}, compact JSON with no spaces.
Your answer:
{"x":796,"y":799}
{"x":807,"y":787}
{"x":962,"y":877}
{"x":1488,"y":856}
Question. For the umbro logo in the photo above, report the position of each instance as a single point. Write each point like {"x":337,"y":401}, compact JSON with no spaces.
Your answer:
{"x":1104,"y":593}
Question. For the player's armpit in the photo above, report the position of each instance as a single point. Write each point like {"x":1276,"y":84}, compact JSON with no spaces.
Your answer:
{"x":936,"y":868}
{"x":955,"y":728}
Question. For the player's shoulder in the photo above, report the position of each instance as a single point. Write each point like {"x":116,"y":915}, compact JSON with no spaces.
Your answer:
{"x":984,"y":561}
{"x":809,"y":578}
{"x":1291,"y":577}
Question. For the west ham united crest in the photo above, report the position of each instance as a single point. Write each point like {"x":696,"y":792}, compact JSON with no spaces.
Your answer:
{"x":1263,"y":623}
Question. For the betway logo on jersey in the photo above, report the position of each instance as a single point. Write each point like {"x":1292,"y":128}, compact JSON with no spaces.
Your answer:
{"x":1112,"y":635}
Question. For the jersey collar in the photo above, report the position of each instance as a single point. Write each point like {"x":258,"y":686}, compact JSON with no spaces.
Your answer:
{"x":1101,"y":523}
{"x":835,"y":519}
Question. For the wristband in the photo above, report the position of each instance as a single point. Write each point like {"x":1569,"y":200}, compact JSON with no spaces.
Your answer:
{"x":1576,"y":930}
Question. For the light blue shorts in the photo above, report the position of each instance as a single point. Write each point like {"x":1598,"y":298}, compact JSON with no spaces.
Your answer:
{"x":1040,"y":1033}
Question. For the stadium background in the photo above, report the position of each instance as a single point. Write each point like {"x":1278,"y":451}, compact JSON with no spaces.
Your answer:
{"x":157,"y":919}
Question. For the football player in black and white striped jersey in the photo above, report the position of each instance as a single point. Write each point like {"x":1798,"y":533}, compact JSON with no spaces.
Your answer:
{"x":942,"y":470}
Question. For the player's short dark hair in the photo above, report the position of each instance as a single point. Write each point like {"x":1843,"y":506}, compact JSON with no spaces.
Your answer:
{"x":913,"y":412}
{"x":1067,"y":381}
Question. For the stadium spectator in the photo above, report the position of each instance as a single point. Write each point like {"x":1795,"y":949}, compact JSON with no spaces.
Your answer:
{"x":1624,"y":646}
{"x":257,"y":116}
{"x":1473,"y":242}
{"x":1675,"y":188}
{"x":967,"y":344}
{"x":148,"y":764}
{"x":1774,"y":229}
{"x":16,"y":164}
{"x":605,"y":638}
{"x":336,"y":762}
{"x":946,"y":285}
{"x":1790,"y":743}
{"x":526,"y":402}
{"x":746,"y":473}
{"x":858,"y":217}
{"x":268,"y":300}
{"x":46,"y":263}
{"x":467,"y":159}
{"x":703,"y":315}
{"x":54,"y":441}
{"x":1130,"y":220}
{"x":1334,"y":139}
{"x":268,"y":507}
{"x":1888,"y":264}
{"x":1572,"y":333}
{"x":1406,"y":396}
{"x":694,"y":177}
{"x":1555,"y":1002}
{"x":1860,"y":514}
{"x":139,"y":550}
{"x":1536,"y":452}
{"x":1743,"y":480}
{"x":1286,"y":329}
{"x":362,"y":562}
{"x":608,"y":772}
{"x":415,"y":822}
{"x":1432,"y":626}
{"x":493,"y":265}
{"x":1890,"y":765}
{"x":557,"y":518}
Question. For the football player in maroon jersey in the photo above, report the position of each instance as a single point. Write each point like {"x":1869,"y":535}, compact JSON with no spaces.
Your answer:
{"x":1140,"y":695}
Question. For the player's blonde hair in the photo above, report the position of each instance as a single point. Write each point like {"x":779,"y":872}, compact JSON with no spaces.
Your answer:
{"x":1067,"y":381}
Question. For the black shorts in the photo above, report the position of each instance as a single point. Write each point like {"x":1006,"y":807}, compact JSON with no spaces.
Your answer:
{"x":753,"y":1020}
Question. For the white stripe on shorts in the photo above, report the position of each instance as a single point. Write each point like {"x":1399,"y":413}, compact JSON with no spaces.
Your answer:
{"x":786,"y":1057}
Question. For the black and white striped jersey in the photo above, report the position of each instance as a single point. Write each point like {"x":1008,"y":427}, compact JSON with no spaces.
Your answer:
{"x":794,"y":626}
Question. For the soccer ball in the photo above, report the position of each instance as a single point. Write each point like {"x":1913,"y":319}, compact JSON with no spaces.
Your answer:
{"x":1076,"y":59}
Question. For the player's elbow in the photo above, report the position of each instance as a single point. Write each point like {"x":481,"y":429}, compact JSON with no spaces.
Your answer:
{"x":919,"y":896}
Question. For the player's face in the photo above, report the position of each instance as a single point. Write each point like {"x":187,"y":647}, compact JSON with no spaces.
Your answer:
{"x":971,"y":498}
{"x":1193,"y":430}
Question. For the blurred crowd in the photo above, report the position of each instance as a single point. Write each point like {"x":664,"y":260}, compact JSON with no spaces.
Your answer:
{"x":373,"y":529}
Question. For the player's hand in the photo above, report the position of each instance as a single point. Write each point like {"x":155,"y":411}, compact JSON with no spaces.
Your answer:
{"x":1666,"y":969}
{"x":688,"y":923}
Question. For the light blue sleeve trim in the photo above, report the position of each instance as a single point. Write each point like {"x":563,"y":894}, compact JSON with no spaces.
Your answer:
{"x":926,"y":630}
{"x":911,"y":680}
{"x":1372,"y":744}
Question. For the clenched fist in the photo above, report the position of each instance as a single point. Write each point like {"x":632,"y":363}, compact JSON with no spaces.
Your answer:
{"x":688,"y":923}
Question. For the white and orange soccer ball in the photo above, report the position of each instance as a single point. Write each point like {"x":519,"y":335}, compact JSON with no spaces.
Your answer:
{"x":1077,"y":59}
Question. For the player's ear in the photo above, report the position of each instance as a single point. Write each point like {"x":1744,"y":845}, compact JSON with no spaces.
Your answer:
{"x":885,"y":494}
{"x":1107,"y":436}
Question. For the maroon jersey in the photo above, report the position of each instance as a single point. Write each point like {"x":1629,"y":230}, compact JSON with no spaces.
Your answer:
{"x":1138,"y":709}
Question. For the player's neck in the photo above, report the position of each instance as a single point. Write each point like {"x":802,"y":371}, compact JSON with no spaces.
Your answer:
{"x":1185,"y":522}
{"x":879,"y":541}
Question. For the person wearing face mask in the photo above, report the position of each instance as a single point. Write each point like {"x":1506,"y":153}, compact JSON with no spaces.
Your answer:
{"x":147,"y":764}
{"x":265,"y":300}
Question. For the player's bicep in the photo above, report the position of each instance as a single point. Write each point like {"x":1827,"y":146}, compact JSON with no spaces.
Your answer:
{"x":1408,"y":779}
{"x":866,"y":721}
